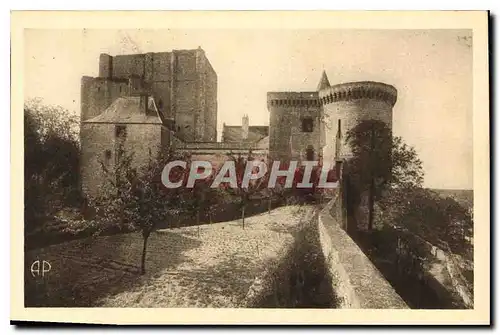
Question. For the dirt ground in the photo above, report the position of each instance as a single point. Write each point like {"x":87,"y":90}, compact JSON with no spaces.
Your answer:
{"x":205,"y":266}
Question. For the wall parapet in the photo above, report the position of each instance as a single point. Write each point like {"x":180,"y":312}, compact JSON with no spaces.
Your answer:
{"x":219,"y":145}
{"x":292,"y":99}
{"x":356,"y":281}
{"x":359,"y":90}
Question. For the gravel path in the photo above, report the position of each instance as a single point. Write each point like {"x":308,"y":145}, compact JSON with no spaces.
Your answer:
{"x":205,"y":266}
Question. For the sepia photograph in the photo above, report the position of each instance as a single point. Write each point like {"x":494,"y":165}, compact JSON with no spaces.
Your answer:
{"x":250,"y":167}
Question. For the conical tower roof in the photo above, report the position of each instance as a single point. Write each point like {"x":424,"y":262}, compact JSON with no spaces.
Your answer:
{"x":323,"y":83}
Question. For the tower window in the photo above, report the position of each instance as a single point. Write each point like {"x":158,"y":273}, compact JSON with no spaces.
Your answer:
{"x":120,"y":132}
{"x":339,"y":132}
{"x":307,"y":125}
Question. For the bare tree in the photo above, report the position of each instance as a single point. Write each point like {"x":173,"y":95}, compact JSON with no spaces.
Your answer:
{"x":244,"y":192}
{"x":135,"y":198}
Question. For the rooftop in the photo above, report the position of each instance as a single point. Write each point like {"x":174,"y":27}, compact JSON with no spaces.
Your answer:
{"x":128,"y":110}
{"x":234,"y":133}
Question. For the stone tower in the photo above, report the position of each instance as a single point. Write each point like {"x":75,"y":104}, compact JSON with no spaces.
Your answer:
{"x":305,"y":125}
{"x":345,"y":105}
{"x":182,"y":83}
{"x":141,"y":105}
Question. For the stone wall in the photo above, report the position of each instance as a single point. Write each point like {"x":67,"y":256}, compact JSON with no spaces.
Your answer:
{"x":218,"y":153}
{"x":221,"y":146}
{"x":182,"y":82}
{"x":355,"y":280}
{"x":348,"y":104}
{"x":99,"y":147}
{"x":210,"y":96}
{"x":286,"y":138}
{"x":334,"y":109}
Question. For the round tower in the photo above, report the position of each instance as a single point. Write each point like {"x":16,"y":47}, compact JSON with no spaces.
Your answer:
{"x":345,"y":105}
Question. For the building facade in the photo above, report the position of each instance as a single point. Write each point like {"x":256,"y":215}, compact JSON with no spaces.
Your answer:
{"x":140,"y":104}
{"x":145,"y":103}
{"x":312,"y":125}
{"x":182,"y":83}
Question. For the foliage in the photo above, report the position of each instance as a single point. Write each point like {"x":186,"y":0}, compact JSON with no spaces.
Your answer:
{"x":414,"y":221}
{"x":202,"y":198}
{"x":51,"y":161}
{"x":242,"y":192}
{"x":281,"y":193}
{"x":370,"y":142}
{"x":411,"y":221}
{"x":405,"y":251}
{"x":441,"y":221}
{"x":134,"y":198}
{"x":296,"y":194}
{"x":407,"y":171}
{"x":370,"y":166}
{"x":379,"y":162}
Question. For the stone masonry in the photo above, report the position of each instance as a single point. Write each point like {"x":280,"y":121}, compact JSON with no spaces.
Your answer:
{"x":182,"y":83}
{"x":145,"y":103}
{"x":312,"y":125}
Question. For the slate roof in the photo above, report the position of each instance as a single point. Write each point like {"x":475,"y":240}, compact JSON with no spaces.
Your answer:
{"x":324,"y":82}
{"x":233,"y":133}
{"x":127,"y":110}
{"x":264,"y":143}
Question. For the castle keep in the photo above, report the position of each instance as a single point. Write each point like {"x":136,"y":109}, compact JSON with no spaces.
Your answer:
{"x":182,"y":84}
{"x":144,"y":103}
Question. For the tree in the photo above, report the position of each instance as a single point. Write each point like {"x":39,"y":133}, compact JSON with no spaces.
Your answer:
{"x":370,"y":167}
{"x":202,"y":198}
{"x":414,"y":220}
{"x":379,"y":162}
{"x":406,"y":177}
{"x":407,"y":169}
{"x":135,"y":198}
{"x":302,"y":194}
{"x":244,"y":192}
{"x":51,"y":160}
{"x":279,"y":191}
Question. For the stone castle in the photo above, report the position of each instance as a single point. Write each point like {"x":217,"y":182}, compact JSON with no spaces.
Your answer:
{"x":143,"y":103}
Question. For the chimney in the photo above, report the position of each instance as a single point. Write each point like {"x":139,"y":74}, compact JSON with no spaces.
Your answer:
{"x":143,"y":104}
{"x":105,"y":66}
{"x":244,"y":127}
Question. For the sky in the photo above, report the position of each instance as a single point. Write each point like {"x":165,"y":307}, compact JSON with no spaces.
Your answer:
{"x":431,"y":69}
